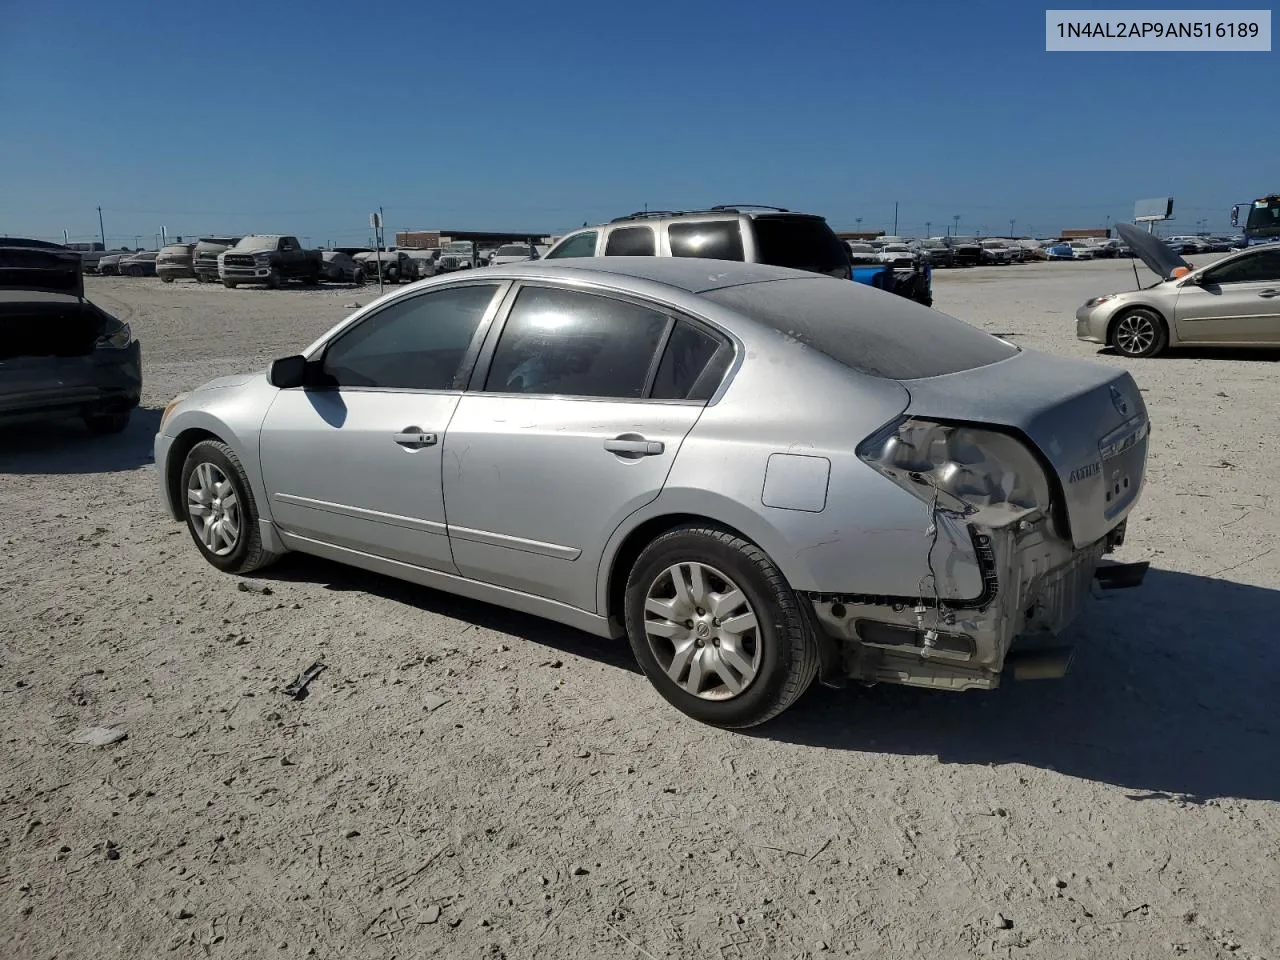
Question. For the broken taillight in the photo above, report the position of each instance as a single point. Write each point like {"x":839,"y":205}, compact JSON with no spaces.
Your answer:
{"x":960,"y":467}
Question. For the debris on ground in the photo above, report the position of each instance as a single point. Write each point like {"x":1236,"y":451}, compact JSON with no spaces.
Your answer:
{"x":99,"y":736}
{"x":254,"y":586}
{"x":298,"y":689}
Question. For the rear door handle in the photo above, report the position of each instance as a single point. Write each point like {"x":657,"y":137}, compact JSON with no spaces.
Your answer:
{"x":414,"y":438}
{"x":1268,"y":294}
{"x":636,"y":447}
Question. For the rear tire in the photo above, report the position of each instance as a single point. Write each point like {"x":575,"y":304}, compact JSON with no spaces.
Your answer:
{"x":1139,"y":332}
{"x":166,"y":279}
{"x":229,"y":284}
{"x":760,"y":654}
{"x":221,"y":514}
{"x":105,"y":423}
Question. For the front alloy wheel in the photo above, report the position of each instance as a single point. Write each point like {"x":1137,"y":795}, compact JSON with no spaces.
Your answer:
{"x":1139,"y":333}
{"x":219,"y":508}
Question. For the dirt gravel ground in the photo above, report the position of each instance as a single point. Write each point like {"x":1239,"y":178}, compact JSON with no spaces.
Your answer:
{"x":467,"y":782}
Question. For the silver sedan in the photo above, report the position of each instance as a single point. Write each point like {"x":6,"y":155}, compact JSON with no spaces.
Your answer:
{"x":757,"y":475}
{"x":1232,"y":302}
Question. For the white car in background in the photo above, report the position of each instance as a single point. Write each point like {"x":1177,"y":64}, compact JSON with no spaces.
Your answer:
{"x":513,"y":253}
{"x":1082,"y":250}
{"x":995,"y":250}
{"x":897,"y":254}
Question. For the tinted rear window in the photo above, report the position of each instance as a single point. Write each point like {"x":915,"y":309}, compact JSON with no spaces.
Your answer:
{"x":713,"y":239}
{"x":802,"y":243}
{"x":880,"y":335}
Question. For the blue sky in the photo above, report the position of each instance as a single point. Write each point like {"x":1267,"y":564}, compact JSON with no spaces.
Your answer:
{"x":301,"y":117}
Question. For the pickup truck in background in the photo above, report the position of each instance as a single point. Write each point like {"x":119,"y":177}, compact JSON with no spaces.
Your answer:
{"x":270,"y":259}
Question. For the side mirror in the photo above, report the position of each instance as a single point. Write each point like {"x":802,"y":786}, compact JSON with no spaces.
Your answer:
{"x":288,"y":372}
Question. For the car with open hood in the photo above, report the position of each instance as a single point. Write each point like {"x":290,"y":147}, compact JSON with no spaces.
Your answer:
{"x":60,"y":355}
{"x":754,"y":474}
{"x":1231,"y":302}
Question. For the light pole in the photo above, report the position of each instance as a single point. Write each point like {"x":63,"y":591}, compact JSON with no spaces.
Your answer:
{"x":1011,"y":223}
{"x":927,"y":225}
{"x":858,"y":221}
{"x":956,"y":220}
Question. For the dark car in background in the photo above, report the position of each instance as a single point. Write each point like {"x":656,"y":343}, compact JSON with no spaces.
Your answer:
{"x":340,"y":268}
{"x":141,"y":264}
{"x":60,"y":355}
{"x":175,"y":262}
{"x":204,"y":258}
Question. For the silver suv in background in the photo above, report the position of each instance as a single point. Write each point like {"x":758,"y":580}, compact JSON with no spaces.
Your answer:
{"x":751,"y":234}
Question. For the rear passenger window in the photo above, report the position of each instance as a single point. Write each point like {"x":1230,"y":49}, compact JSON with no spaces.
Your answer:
{"x":692,"y":366}
{"x":582,"y":245}
{"x":714,"y":239}
{"x":567,"y":343}
{"x":630,"y":242}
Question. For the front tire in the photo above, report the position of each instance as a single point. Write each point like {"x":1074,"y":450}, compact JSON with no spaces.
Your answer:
{"x":1139,"y":333}
{"x":229,"y":284}
{"x":220,"y":510}
{"x":274,"y":280}
{"x":717,"y":629}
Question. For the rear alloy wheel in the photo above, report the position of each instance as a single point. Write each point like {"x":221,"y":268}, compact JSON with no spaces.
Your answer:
{"x":102,"y":423}
{"x":1139,"y":333}
{"x":220,"y":510}
{"x":717,"y":629}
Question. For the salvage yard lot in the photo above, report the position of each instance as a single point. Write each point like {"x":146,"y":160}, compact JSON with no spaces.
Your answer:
{"x":465,"y":781}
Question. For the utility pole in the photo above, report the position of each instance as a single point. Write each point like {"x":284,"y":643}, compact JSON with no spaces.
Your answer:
{"x":102,"y":230}
{"x":895,"y":218}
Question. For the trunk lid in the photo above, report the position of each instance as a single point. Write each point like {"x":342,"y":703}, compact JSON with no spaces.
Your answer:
{"x":33,"y":265}
{"x":47,"y":325}
{"x":1086,"y":420}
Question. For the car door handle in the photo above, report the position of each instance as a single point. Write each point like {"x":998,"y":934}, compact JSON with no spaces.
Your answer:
{"x":414,"y":438}
{"x":635,"y":446}
{"x":1268,"y":294}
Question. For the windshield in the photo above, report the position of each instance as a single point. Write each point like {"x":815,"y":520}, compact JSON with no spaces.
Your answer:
{"x":900,"y":340}
{"x":1264,"y":220}
{"x":512,"y":250}
{"x":258,"y":243}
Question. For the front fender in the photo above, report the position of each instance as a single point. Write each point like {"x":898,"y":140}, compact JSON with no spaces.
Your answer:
{"x":234,"y":415}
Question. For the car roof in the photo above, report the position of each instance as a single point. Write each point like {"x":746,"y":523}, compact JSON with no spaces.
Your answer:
{"x":691,"y":274}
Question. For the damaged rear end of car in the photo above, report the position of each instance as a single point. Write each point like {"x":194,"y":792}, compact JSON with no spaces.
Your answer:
{"x":60,"y":355}
{"x":1027,"y":470}
{"x":962,"y":530}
